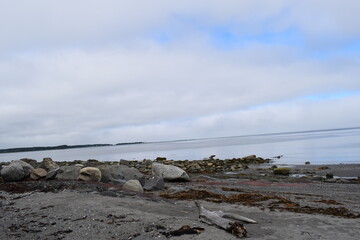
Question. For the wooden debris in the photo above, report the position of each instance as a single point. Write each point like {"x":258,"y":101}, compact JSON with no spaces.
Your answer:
{"x":219,"y":219}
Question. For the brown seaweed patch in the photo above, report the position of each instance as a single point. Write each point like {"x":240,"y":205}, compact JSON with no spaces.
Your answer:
{"x":338,"y":212}
{"x":253,"y":199}
{"x":250,"y":199}
{"x":330,"y":202}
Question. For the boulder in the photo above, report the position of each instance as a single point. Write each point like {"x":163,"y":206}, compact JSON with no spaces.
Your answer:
{"x":90,"y":174}
{"x":32,"y":162}
{"x":155,"y":183}
{"x":13,"y":172}
{"x":169,"y":172}
{"x":116,"y":173}
{"x":38,"y":173}
{"x":26,"y":167}
{"x":281,"y":171}
{"x":68,"y":173}
{"x":52,"y":174}
{"x":48,"y":164}
{"x":133,"y":185}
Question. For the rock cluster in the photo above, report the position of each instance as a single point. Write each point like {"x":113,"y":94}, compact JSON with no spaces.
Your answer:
{"x":207,"y":165}
{"x":128,"y":174}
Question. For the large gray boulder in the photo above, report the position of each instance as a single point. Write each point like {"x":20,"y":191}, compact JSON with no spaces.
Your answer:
{"x":26,"y":167}
{"x":169,"y":173}
{"x":118,"y":173}
{"x":155,"y":183}
{"x":68,"y":173}
{"x":13,"y":172}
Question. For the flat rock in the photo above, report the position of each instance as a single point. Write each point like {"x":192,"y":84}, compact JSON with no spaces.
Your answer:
{"x":38,"y":173}
{"x":114,"y":173}
{"x":90,"y":174}
{"x":133,"y":185}
{"x":169,"y":172}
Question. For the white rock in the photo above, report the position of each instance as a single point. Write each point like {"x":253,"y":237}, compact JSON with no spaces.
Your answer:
{"x":133,"y":185}
{"x":90,"y":174}
{"x":169,"y":172}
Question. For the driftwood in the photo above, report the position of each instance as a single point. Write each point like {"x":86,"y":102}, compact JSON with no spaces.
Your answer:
{"x":219,"y":219}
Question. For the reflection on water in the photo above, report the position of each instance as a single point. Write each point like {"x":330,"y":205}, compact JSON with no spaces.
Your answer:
{"x":318,"y":147}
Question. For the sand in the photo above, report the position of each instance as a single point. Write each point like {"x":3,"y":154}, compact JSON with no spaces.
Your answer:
{"x":293,"y":209}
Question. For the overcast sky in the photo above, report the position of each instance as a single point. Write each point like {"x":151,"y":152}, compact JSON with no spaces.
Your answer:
{"x":86,"y":71}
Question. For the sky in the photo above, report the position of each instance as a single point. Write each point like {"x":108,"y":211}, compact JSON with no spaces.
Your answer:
{"x":91,"y":71}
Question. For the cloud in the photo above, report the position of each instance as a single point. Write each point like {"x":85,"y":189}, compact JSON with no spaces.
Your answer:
{"x":110,"y":71}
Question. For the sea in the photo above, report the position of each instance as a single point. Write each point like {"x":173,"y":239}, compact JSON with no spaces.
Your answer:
{"x":331,"y":146}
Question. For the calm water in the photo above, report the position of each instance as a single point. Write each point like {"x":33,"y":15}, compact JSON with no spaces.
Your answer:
{"x":318,"y":147}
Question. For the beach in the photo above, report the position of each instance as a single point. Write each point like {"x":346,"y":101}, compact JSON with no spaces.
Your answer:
{"x":284,"y":207}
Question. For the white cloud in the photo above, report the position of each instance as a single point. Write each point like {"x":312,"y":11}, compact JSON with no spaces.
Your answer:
{"x":91,"y":71}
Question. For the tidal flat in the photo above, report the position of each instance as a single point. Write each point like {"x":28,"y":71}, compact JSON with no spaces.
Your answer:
{"x":308,"y":205}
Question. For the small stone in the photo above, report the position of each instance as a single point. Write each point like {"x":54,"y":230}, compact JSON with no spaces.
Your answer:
{"x":38,"y":173}
{"x":90,"y":174}
{"x":133,"y":185}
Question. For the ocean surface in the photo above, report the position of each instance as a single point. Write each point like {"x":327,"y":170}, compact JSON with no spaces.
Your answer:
{"x":317,"y":147}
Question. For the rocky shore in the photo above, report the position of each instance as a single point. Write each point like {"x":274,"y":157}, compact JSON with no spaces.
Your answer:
{"x":158,"y":199}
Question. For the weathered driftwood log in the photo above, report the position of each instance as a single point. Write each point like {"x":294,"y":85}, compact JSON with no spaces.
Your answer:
{"x":218,"y":218}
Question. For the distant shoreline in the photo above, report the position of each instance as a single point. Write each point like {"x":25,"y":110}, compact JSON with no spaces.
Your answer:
{"x":61,"y":147}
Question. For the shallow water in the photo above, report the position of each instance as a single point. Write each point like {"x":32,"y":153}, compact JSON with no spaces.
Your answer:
{"x":318,"y":147}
